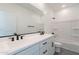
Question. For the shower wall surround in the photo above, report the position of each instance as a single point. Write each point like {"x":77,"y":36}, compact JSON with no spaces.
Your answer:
{"x":66,"y":24}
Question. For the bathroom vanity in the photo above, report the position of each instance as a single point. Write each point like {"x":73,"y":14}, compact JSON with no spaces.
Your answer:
{"x":33,"y":44}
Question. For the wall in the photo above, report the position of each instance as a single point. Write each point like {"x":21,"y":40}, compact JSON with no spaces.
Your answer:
{"x":47,"y":16}
{"x":69,"y":13}
{"x":47,"y":19}
{"x":40,"y":6}
{"x":67,"y":25}
{"x":48,"y":22}
{"x":16,"y":18}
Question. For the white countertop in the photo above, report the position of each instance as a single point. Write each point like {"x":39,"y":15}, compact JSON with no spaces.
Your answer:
{"x":8,"y":47}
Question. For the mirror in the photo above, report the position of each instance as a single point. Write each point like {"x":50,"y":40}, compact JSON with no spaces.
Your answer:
{"x":7,"y":23}
{"x":15,"y":18}
{"x":29,"y":22}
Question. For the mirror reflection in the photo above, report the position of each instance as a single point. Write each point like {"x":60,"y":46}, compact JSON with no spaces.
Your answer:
{"x":19,"y":18}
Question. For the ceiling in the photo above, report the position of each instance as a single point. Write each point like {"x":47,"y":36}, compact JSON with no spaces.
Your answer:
{"x":53,"y":6}
{"x":58,"y":6}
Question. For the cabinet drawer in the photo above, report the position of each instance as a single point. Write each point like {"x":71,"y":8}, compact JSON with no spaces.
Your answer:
{"x":44,"y":51}
{"x":30,"y":50}
{"x":44,"y":43}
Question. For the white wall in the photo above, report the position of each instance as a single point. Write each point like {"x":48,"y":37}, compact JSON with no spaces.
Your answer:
{"x":48,"y":23}
{"x":15,"y":18}
{"x":69,"y":13}
{"x":47,"y":16}
{"x":67,"y":24}
{"x":40,"y":6}
{"x":47,"y":19}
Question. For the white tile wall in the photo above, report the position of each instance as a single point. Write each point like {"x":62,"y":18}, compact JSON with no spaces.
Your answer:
{"x":66,"y":20}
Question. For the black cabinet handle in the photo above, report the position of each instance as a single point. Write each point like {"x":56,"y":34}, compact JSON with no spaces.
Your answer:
{"x":45,"y":52}
{"x":52,"y":44}
{"x":44,"y":43}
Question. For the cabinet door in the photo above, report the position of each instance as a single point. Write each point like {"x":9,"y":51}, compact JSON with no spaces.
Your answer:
{"x":52,"y":50}
{"x":36,"y":52}
{"x":30,"y":51}
{"x":51,"y":46}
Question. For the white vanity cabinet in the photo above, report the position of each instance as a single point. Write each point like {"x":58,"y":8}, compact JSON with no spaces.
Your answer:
{"x":47,"y":47}
{"x":44,"y":47}
{"x":33,"y":50}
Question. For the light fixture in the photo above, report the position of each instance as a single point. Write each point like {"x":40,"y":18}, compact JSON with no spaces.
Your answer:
{"x":63,"y":6}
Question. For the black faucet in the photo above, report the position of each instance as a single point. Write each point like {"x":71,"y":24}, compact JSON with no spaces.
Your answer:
{"x":42,"y":32}
{"x":21,"y":37}
{"x":12,"y":38}
{"x":17,"y":36}
{"x":53,"y":33}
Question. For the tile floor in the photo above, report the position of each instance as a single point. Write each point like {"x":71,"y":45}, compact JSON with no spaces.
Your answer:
{"x":66,"y":52}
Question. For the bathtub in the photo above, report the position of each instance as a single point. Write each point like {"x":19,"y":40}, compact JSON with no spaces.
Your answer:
{"x":70,"y":45}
